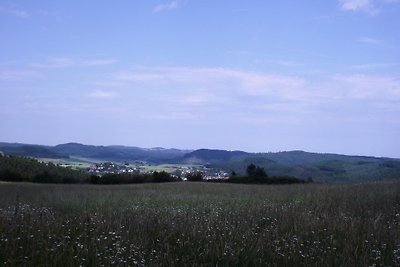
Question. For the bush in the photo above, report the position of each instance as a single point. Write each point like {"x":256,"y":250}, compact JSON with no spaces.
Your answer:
{"x":7,"y":175}
{"x":257,"y":175}
{"x":44,"y":177}
{"x":94,"y":179}
{"x":255,"y":171}
{"x":195,"y":177}
{"x":114,"y":178}
{"x":162,"y":177}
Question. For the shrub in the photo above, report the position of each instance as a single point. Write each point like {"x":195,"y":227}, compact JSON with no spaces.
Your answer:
{"x":195,"y":176}
{"x":162,"y":177}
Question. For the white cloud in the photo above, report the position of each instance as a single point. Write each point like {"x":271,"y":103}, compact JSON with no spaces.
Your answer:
{"x":65,"y":62}
{"x":96,"y":62}
{"x":14,"y":12}
{"x":372,"y":7}
{"x":17,"y":75}
{"x":103,"y":94}
{"x":55,"y":63}
{"x":359,"y":5}
{"x":226,"y":92}
{"x":287,"y":63}
{"x":231,"y":82}
{"x":371,"y":66}
{"x":200,"y":98}
{"x":368,"y":87}
{"x":137,"y":77}
{"x":166,"y":6}
{"x":223,"y":80}
{"x":369,"y":40}
{"x":172,"y":116}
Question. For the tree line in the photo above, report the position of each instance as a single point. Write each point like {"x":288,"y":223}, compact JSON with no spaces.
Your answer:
{"x":258,"y":175}
{"x":23,"y":169}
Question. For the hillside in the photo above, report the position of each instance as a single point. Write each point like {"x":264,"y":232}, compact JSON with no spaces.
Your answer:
{"x":36,"y":151}
{"x":19,"y":169}
{"x":109,"y":153}
{"x":207,"y":156}
{"x":331,"y":168}
{"x":298,"y":157}
{"x":323,"y":171}
{"x":321,"y":167}
{"x":290,"y":158}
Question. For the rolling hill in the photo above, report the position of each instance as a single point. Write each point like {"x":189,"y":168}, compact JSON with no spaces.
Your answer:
{"x":36,"y":151}
{"x":324,"y":167}
{"x":321,"y":167}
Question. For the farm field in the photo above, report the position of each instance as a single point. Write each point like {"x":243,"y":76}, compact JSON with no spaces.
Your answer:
{"x":200,"y":224}
{"x":170,"y":168}
{"x":76,"y":163}
{"x":80,"y":163}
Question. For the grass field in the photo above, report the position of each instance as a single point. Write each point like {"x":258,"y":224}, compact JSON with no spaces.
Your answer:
{"x":80,"y":163}
{"x":76,"y":163}
{"x":200,"y":224}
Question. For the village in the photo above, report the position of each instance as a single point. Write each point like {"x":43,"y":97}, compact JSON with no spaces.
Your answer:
{"x":179,"y":171}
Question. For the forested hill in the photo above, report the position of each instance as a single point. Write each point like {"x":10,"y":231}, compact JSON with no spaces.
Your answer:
{"x":322,"y":167}
{"x":109,"y":153}
{"x":290,"y":158}
{"x":162,"y":155}
{"x":207,"y":156}
{"x":36,"y":151}
{"x":17,"y":169}
{"x":331,"y":168}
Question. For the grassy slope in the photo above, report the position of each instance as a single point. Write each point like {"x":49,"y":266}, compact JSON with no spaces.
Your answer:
{"x":193,"y":224}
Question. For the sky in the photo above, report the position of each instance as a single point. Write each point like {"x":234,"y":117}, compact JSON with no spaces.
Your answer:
{"x":258,"y":76}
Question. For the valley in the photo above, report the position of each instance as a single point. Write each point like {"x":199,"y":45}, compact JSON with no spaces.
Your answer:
{"x":320,"y":167}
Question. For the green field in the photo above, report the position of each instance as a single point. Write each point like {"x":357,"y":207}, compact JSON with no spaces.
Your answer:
{"x":200,"y":224}
{"x":170,"y":168}
{"x":80,"y":163}
{"x":76,"y":163}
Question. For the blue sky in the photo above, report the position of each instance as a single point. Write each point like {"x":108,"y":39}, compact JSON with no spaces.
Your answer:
{"x":321,"y":76}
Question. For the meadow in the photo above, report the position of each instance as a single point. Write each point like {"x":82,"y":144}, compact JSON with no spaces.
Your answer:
{"x":200,"y":224}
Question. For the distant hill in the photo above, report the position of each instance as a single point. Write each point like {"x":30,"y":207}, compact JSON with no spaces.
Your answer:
{"x":321,"y":167}
{"x":291,"y":158}
{"x":111,"y":153}
{"x":207,"y":156}
{"x":120,"y":153}
{"x":298,"y":157}
{"x":36,"y":151}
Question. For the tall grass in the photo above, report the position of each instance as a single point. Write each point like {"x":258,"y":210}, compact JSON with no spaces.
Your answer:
{"x":200,"y":224}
